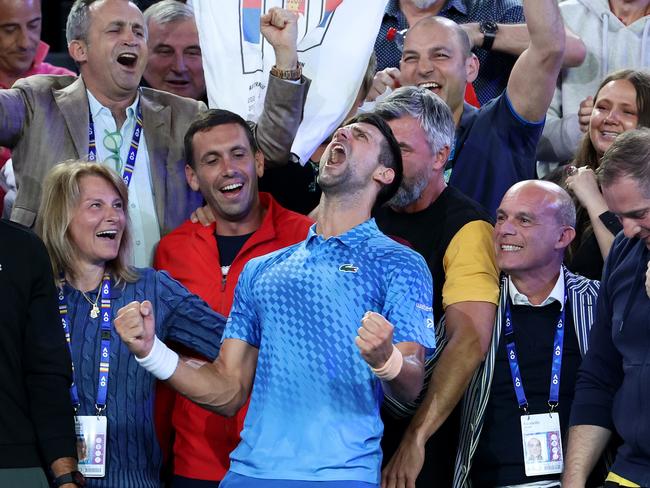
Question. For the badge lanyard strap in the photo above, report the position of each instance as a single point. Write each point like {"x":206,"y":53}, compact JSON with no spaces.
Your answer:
{"x":556,"y":365}
{"x":104,"y":351}
{"x":133,"y":148}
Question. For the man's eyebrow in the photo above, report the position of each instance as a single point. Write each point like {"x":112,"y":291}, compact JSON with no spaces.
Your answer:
{"x":359,"y":130}
{"x":526,"y":215}
{"x":631,"y":213}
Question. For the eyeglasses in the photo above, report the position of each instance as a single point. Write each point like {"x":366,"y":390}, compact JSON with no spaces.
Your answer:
{"x":113,"y":143}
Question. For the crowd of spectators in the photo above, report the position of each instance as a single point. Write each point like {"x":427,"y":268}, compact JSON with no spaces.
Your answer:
{"x":452,"y":291}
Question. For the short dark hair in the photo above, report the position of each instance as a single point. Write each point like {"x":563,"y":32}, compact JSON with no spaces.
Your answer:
{"x":628,"y":156}
{"x":213,"y":118}
{"x":390,"y":154}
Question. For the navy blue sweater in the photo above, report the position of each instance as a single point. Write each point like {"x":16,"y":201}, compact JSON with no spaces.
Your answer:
{"x":134,"y":457}
{"x":613,"y":386}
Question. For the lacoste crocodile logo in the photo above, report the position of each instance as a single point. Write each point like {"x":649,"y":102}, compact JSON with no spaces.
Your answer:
{"x":348,"y":268}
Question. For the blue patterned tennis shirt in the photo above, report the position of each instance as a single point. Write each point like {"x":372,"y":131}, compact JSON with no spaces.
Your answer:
{"x":314,"y":410}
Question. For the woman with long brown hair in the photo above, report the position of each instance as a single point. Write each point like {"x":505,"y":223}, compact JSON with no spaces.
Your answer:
{"x":621,"y":103}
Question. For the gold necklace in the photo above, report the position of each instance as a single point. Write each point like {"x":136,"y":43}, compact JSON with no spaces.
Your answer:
{"x":94,"y":311}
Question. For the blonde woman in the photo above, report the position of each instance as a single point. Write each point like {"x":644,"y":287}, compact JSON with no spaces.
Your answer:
{"x":85,"y":226}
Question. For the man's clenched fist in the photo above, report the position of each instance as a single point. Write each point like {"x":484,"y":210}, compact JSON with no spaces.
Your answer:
{"x":375,"y":339}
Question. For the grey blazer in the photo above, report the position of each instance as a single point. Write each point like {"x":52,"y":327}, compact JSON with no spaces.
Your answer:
{"x":44,"y":120}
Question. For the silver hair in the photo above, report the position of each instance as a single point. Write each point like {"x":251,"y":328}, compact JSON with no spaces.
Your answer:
{"x":427,"y":108}
{"x":168,"y":11}
{"x":76,"y":27}
{"x":566,"y":209}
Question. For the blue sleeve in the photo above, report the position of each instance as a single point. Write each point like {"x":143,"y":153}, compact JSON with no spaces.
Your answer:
{"x":185,"y":318}
{"x":512,"y":15}
{"x":519,"y":135}
{"x":601,"y":372}
{"x":243,"y":322}
{"x":409,"y":299}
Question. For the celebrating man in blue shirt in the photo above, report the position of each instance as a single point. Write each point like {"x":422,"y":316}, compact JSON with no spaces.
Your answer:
{"x":317,"y":330}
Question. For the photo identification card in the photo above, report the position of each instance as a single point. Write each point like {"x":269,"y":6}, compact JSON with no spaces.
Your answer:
{"x":91,"y":445}
{"x":542,"y":440}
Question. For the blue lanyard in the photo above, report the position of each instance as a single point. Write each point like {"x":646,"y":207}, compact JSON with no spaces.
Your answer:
{"x":104,"y":351}
{"x":133,"y":148}
{"x":556,"y":365}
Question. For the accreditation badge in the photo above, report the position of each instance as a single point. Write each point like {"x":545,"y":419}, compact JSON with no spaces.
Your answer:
{"x":91,"y":444}
{"x":542,"y":440}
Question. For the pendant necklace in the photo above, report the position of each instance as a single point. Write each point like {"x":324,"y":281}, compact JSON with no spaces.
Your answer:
{"x":94,"y":311}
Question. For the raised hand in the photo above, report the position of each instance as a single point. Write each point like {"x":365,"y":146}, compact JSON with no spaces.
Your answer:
{"x":584,"y":113}
{"x":375,"y":339}
{"x":136,"y":326}
{"x":387,"y":78}
{"x":280,"y":28}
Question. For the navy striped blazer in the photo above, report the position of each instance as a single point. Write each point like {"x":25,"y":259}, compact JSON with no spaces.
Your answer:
{"x":582,"y":294}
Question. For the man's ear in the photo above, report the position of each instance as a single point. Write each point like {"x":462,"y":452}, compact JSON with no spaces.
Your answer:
{"x":566,"y":237}
{"x":384,"y":175}
{"x":259,"y":163}
{"x":78,"y":51}
{"x":471,"y":67}
{"x":190,"y":176}
{"x":440,"y":158}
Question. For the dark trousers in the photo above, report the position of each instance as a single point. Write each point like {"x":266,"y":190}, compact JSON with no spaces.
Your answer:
{"x":23,"y":478}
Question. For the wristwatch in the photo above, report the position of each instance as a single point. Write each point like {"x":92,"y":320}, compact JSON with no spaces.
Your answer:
{"x":287,"y":74}
{"x":489,"y":29}
{"x":74,"y":477}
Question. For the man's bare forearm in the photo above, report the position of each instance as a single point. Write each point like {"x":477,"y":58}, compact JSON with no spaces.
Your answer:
{"x":514,"y":39}
{"x":586,"y":444}
{"x":63,"y":466}
{"x":209,"y":387}
{"x":406,"y":386}
{"x":469,"y":329}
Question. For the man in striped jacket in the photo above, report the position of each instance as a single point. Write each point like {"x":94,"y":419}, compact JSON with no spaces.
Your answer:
{"x":515,"y":411}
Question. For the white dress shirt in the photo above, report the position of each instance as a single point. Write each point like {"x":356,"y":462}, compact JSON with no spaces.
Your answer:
{"x":142,"y":210}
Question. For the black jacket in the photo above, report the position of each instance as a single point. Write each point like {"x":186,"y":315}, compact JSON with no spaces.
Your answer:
{"x":36,"y":417}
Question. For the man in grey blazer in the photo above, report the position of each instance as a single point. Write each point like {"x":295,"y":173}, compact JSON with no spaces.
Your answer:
{"x":45,"y":119}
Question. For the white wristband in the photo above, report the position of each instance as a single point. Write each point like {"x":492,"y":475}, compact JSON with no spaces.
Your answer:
{"x":161,"y":360}
{"x":392,"y":367}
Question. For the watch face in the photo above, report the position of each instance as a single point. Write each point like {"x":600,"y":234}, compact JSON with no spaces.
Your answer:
{"x":489,"y":27}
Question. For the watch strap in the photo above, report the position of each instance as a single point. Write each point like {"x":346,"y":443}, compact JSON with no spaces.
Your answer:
{"x":74,"y":477}
{"x":488,"y":40}
{"x":489,"y":30}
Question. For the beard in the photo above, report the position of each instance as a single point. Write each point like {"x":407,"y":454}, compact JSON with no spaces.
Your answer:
{"x":408,"y":192}
{"x":424,"y":3}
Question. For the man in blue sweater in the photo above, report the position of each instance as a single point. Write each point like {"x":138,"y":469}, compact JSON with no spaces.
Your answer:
{"x":613,"y":386}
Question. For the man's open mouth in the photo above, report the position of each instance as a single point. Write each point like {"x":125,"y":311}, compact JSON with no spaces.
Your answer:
{"x":127,"y":59}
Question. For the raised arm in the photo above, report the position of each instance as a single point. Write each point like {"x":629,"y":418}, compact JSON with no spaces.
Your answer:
{"x":222,"y":386}
{"x":514,"y":39}
{"x":285,"y":98}
{"x":532,"y":80}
